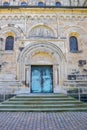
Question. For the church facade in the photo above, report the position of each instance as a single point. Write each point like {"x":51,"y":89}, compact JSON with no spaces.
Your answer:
{"x":43,"y":44}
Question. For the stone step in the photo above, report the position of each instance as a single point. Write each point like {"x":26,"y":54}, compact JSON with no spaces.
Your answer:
{"x":42,"y":96}
{"x":43,"y":109}
{"x":41,"y":99}
{"x":43,"y":106}
{"x":45,"y":103}
{"x":41,"y":102}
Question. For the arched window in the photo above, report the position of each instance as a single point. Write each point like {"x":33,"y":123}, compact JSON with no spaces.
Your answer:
{"x":23,"y":4}
{"x":58,"y":4}
{"x":40,"y":4}
{"x":5,"y":4}
{"x":73,"y":44}
{"x":9,"y":43}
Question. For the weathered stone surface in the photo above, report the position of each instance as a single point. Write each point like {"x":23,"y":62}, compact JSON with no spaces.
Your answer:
{"x":43,"y":35}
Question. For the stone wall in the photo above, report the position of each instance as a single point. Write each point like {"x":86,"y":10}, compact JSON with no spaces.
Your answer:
{"x":53,"y":26}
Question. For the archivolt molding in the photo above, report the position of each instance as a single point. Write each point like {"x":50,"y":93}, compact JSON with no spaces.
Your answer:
{"x":49,"y":48}
{"x":74,"y":29}
{"x":12,"y":28}
{"x":27,"y":57}
{"x":37,"y":52}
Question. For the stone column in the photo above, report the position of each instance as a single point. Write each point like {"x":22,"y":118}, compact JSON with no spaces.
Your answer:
{"x":27,"y":76}
{"x":56,"y":77}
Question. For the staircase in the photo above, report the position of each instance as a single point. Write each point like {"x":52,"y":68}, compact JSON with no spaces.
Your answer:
{"x":42,"y":103}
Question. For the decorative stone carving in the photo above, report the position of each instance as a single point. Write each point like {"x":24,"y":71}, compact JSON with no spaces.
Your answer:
{"x":41,"y":32}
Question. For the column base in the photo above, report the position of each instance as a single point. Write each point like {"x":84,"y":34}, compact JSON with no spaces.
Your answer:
{"x":58,"y":89}
{"x":23,"y":90}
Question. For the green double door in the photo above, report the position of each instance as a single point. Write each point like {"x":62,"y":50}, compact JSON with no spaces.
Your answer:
{"x":41,"y":79}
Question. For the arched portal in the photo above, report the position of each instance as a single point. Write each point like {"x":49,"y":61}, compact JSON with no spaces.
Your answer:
{"x":43,"y":57}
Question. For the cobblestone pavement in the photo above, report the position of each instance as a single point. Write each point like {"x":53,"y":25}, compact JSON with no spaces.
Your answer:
{"x":43,"y":121}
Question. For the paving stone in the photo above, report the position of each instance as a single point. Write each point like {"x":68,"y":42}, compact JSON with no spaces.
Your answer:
{"x":43,"y":121}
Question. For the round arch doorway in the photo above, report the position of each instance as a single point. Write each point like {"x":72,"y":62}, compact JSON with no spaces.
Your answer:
{"x":40,"y":73}
{"x":50,"y":62}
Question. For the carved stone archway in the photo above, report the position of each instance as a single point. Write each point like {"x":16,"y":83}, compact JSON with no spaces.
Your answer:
{"x":42,"y":54}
